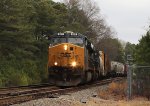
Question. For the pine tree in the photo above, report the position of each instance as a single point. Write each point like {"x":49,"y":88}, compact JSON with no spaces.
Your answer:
{"x":143,"y":50}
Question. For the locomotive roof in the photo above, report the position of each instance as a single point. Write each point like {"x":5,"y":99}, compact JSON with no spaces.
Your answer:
{"x":68,"y":34}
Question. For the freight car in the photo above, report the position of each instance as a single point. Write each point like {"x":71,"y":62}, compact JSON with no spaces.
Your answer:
{"x":117,"y":68}
{"x":73,"y":60}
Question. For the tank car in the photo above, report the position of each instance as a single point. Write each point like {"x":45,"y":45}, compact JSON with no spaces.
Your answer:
{"x":72,"y":59}
{"x":117,"y":68}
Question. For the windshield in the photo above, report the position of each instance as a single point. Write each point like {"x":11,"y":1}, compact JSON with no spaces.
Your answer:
{"x":58,"y":41}
{"x":77,"y":41}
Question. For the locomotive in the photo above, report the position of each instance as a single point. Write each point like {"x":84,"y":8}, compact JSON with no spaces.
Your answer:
{"x":73,"y":60}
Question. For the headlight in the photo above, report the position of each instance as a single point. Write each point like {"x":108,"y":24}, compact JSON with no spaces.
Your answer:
{"x":65,"y":47}
{"x":55,"y":63}
{"x":74,"y":64}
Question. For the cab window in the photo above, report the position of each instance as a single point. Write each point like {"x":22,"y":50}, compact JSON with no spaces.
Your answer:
{"x":55,"y":41}
{"x":77,"y":41}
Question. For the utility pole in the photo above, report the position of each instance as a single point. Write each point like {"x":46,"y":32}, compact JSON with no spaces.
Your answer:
{"x":129,"y":77}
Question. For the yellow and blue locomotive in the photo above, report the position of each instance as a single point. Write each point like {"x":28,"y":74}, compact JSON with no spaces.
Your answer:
{"x":72,"y":59}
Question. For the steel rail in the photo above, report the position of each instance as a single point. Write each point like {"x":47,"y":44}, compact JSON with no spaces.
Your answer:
{"x":25,"y":91}
{"x":24,"y":86}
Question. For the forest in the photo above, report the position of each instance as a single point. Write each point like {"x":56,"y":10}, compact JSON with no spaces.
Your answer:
{"x":25,"y":26}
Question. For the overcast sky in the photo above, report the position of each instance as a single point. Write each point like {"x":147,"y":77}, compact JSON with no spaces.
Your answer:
{"x":129,"y":18}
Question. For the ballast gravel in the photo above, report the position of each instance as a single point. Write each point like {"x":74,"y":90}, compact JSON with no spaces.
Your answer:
{"x":87,"y":97}
{"x":79,"y":98}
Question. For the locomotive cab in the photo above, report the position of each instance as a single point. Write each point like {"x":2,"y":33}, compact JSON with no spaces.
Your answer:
{"x":66,"y":59}
{"x":72,"y":60}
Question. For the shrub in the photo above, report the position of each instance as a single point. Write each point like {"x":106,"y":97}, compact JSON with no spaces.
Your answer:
{"x":118,"y":88}
{"x":19,"y":72}
{"x":114,"y":89}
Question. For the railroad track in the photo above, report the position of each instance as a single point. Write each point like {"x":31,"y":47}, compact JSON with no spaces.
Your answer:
{"x":24,"y":87}
{"x":44,"y":92}
{"x":16,"y":90}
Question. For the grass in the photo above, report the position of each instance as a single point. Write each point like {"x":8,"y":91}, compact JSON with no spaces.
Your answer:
{"x":115,"y":90}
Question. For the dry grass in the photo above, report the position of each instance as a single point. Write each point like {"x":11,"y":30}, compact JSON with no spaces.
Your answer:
{"x":115,"y":90}
{"x":115,"y":95}
{"x":118,"y":88}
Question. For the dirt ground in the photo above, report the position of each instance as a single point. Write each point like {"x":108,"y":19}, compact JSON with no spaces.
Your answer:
{"x":102,"y":102}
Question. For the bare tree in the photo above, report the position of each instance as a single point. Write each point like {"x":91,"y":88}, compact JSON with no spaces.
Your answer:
{"x":71,"y":3}
{"x":88,"y":14}
{"x":90,"y":8}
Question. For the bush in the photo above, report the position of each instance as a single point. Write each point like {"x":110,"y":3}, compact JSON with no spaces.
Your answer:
{"x":20,"y":72}
{"x":17,"y":78}
{"x":115,"y":90}
{"x":118,"y":88}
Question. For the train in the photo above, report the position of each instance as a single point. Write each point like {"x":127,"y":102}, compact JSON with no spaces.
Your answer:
{"x":73,"y":60}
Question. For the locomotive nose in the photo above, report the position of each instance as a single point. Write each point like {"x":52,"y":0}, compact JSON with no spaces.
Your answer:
{"x":66,"y":55}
